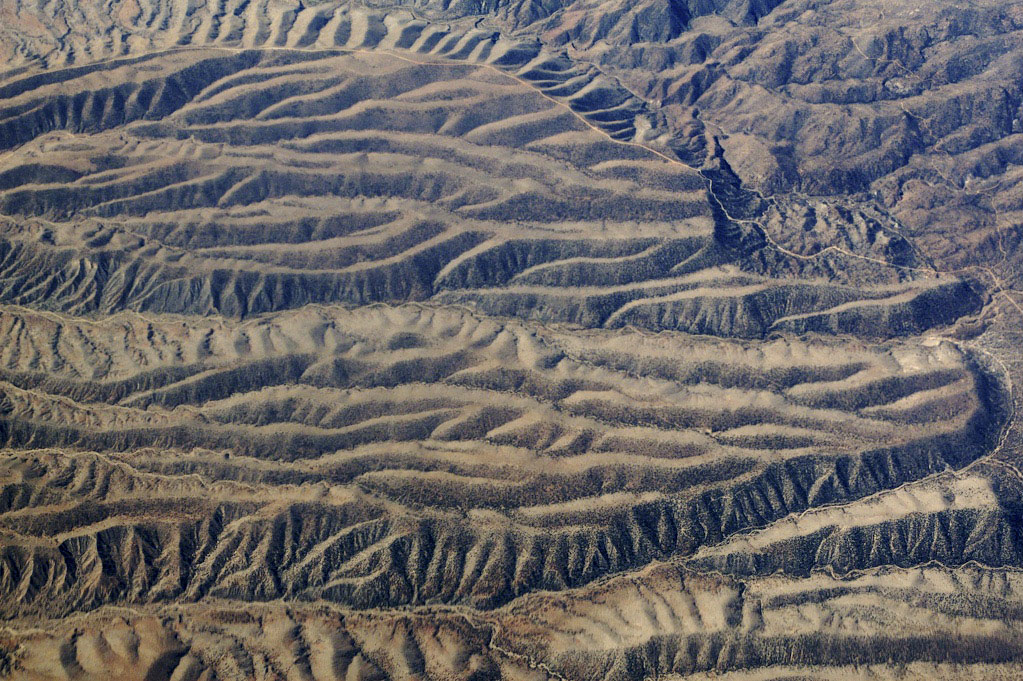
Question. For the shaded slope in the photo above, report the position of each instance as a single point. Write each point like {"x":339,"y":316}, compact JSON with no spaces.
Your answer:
{"x":247,"y":182}
{"x":388,"y":456}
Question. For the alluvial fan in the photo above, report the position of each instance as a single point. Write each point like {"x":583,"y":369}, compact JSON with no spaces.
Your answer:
{"x":502,"y":340}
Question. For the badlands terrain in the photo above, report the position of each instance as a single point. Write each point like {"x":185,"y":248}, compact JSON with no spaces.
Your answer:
{"x":511,"y":339}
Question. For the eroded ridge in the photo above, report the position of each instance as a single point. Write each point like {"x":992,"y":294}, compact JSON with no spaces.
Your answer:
{"x":409,"y":455}
{"x":331,"y":26}
{"x":353,"y":343}
{"x":662,"y":621}
{"x":245,"y":182}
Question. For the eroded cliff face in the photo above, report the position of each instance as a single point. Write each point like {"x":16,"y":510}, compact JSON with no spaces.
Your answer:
{"x":513,"y":340}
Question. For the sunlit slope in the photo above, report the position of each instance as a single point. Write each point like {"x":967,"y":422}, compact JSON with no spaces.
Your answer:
{"x":362,"y":343}
{"x":238,"y":183}
{"x":390,"y":456}
{"x":662,"y":621}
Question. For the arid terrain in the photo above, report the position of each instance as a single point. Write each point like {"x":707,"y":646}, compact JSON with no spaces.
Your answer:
{"x":511,"y":339}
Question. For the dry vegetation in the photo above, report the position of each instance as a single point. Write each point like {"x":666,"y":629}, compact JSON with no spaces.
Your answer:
{"x":509,"y":340}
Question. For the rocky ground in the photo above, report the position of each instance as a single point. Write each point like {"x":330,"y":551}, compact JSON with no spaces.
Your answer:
{"x":526,"y":340}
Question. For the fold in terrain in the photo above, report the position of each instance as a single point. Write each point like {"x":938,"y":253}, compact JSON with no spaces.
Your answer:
{"x":413,"y":455}
{"x":501,"y":341}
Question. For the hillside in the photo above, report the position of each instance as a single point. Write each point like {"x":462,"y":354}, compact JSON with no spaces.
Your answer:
{"x":526,"y":340}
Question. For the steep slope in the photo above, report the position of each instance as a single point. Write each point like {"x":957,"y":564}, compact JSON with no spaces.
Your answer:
{"x":526,"y":340}
{"x":389,"y":456}
{"x":663,"y":621}
{"x":246,"y":182}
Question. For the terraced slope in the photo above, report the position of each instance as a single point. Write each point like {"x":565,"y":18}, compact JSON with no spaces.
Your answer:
{"x":347,"y":342}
